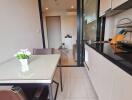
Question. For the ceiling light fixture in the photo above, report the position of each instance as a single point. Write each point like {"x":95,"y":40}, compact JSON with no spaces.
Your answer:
{"x":72,"y":7}
{"x":46,"y":8}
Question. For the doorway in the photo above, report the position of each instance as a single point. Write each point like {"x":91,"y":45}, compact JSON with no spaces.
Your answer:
{"x":71,"y":33}
{"x":54,"y":31}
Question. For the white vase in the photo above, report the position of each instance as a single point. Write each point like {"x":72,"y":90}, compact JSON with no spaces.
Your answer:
{"x":24,"y":65}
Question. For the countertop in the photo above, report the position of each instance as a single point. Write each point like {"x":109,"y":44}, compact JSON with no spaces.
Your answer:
{"x":121,"y":58}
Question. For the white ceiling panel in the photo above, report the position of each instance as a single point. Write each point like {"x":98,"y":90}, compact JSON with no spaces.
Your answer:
{"x":59,"y":5}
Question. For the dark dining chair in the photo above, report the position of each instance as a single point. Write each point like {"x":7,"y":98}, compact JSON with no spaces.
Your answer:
{"x":12,"y":94}
{"x":41,"y":51}
{"x":45,"y":51}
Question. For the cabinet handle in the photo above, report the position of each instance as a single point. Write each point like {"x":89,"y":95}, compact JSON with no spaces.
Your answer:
{"x":86,"y":65}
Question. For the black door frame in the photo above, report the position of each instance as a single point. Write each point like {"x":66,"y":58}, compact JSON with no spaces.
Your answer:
{"x":79,"y":30}
{"x":80,"y":44}
{"x":41,"y":22}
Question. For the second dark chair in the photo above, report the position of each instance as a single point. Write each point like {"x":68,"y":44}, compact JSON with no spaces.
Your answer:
{"x":39,"y":51}
{"x":45,"y":51}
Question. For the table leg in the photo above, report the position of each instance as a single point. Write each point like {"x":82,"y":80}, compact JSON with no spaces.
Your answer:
{"x":57,"y":84}
{"x":50,"y":92}
{"x":61,"y":79}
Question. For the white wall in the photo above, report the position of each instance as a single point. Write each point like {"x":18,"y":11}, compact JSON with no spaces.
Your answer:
{"x":109,"y":28}
{"x":69,"y":26}
{"x":111,"y":23}
{"x":19,"y":27}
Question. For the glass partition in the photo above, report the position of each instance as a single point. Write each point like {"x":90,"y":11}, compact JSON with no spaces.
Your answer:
{"x":90,"y":19}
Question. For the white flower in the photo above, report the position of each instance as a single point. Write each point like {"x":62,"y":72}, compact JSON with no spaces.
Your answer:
{"x":27,"y":52}
{"x":23,"y":51}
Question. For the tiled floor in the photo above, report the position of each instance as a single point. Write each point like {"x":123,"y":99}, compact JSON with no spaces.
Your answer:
{"x":77,"y":85}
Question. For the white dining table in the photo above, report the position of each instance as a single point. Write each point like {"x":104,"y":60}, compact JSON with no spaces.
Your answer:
{"x":41,"y":71}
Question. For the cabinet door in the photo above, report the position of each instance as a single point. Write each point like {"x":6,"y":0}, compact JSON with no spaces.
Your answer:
{"x":100,"y":72}
{"x":116,"y":3}
{"x":109,"y":81}
{"x":122,"y":85}
{"x":104,"y":6}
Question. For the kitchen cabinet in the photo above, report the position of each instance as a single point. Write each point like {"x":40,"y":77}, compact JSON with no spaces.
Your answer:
{"x":104,"y":6}
{"x":109,"y":81}
{"x":100,"y":73}
{"x":112,"y":4}
{"x":122,"y":89}
{"x":116,"y":3}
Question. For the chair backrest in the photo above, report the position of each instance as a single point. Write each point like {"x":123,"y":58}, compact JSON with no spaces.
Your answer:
{"x":11,"y":95}
{"x":38,"y":51}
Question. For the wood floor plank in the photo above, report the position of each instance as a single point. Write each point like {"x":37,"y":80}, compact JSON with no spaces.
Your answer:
{"x":77,"y":85}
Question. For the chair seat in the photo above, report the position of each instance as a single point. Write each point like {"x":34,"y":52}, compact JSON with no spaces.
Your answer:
{"x":12,"y":95}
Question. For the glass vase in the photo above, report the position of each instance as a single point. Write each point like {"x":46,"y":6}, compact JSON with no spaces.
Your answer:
{"x":24,"y":65}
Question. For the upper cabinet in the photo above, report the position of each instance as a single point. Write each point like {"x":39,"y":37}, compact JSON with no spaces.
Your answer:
{"x":104,"y":6}
{"x":112,"y":7}
{"x":116,"y":3}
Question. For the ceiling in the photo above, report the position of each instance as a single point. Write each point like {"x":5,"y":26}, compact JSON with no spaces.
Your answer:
{"x":59,"y":5}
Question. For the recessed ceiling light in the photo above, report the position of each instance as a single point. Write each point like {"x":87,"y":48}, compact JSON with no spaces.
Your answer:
{"x":72,"y":7}
{"x":46,"y":8}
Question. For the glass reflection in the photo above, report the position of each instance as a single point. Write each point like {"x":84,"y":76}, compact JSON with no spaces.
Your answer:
{"x":90,"y":19}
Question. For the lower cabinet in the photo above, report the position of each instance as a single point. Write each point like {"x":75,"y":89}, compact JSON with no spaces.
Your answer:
{"x":122,"y":85}
{"x":100,"y":73}
{"x":109,"y":81}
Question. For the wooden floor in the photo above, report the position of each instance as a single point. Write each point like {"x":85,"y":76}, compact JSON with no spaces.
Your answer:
{"x":67,"y":58}
{"x":77,"y":85}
